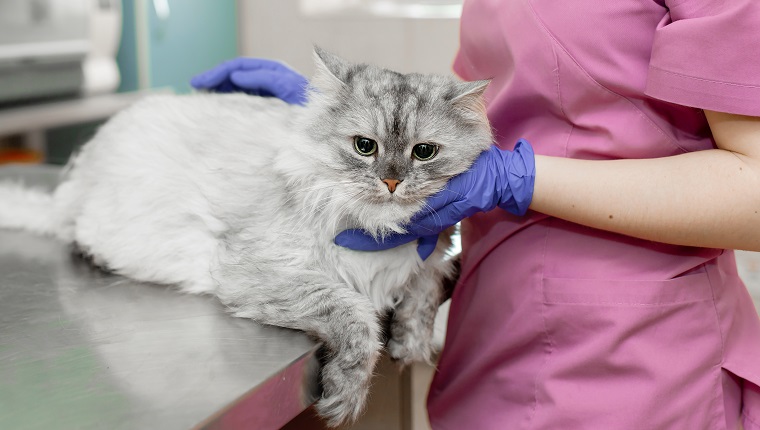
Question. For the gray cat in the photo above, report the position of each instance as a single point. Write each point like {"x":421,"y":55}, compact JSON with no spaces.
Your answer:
{"x":241,"y":197}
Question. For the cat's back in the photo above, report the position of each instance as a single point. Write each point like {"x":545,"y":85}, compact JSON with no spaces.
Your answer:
{"x":204,"y":125}
{"x":209,"y":111}
{"x":147,"y":195}
{"x":174,"y":144}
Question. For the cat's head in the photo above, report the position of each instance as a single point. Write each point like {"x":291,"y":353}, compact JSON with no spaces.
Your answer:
{"x":389,"y":140}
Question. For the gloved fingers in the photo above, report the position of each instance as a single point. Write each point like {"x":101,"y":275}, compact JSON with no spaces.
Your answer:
{"x":480,"y":188}
{"x":426,"y":246}
{"x":289,"y":88}
{"x":460,"y":186}
{"x":430,"y":223}
{"x":215,"y":76}
{"x":358,"y":240}
{"x":205,"y":81}
{"x":442,"y":198}
{"x":226,"y":87}
{"x":246,"y":63}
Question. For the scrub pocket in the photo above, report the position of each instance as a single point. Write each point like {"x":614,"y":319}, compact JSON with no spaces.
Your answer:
{"x":630,"y":354}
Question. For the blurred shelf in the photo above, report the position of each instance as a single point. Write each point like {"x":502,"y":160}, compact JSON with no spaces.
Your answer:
{"x":20,"y":155}
{"x":42,"y":116}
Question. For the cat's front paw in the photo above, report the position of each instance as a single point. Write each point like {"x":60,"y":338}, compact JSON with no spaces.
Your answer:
{"x":338,"y":409}
{"x":407,"y":346}
{"x":344,"y":391}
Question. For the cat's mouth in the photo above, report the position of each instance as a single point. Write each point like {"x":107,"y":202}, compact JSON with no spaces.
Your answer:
{"x":395,"y":199}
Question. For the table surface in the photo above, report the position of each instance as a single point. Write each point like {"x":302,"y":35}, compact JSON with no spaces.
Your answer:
{"x":84,"y":349}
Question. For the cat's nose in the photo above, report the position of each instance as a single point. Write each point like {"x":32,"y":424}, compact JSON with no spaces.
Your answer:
{"x":391,"y":183}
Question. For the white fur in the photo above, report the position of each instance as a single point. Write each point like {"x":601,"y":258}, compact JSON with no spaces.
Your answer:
{"x":26,"y":208}
{"x":242,"y":197}
{"x":150,"y":196}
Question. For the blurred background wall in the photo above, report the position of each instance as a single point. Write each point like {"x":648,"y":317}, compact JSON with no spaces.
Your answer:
{"x":67,"y":65}
{"x":407,"y":36}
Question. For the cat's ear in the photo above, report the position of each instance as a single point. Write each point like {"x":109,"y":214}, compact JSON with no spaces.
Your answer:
{"x":469,"y":96}
{"x":331,"y":70}
{"x":469,"y":90}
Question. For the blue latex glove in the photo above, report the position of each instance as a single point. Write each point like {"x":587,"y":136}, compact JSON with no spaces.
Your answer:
{"x":498,"y":178}
{"x":255,"y":76}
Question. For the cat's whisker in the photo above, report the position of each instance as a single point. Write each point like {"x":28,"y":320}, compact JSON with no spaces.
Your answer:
{"x":321,"y":206}
{"x":299,"y":187}
{"x":339,"y":214}
{"x":313,"y":188}
{"x":458,"y":194}
{"x":323,"y":201}
{"x":433,"y":212}
{"x":318,"y":205}
{"x":349,"y":197}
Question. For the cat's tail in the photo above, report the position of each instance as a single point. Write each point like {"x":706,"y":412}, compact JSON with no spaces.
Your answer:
{"x":26,"y":208}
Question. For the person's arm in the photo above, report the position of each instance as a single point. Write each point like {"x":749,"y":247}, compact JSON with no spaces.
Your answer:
{"x":706,"y":198}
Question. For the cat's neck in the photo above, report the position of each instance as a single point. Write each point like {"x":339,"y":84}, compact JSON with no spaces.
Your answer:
{"x":323,"y":204}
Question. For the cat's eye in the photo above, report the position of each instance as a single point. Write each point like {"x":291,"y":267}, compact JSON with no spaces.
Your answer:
{"x":424,"y":151}
{"x":365,"y":146}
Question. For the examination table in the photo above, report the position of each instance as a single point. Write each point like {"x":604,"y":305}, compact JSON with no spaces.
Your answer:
{"x":84,"y":349}
{"x":88,"y":350}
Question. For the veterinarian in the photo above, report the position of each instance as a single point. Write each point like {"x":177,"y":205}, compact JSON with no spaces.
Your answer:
{"x":614,"y":301}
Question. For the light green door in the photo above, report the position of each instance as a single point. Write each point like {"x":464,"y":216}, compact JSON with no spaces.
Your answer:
{"x":188,"y":37}
{"x":169,"y":41}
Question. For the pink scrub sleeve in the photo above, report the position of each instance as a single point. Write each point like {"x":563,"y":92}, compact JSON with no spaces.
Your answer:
{"x":707,"y":55}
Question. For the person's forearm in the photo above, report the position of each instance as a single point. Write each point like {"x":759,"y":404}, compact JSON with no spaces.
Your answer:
{"x":706,"y":198}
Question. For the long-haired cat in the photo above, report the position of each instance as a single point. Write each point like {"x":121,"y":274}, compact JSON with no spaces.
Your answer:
{"x":241,"y":197}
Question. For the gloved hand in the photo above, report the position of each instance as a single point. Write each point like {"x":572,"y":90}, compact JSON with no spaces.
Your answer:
{"x":255,"y":76}
{"x":498,"y":178}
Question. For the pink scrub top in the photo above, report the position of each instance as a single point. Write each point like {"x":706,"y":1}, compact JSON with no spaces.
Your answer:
{"x":558,"y":326}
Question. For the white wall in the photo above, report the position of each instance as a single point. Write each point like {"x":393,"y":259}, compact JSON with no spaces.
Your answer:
{"x":278,"y":29}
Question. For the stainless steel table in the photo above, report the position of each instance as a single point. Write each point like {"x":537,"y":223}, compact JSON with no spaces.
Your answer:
{"x":83,"y":349}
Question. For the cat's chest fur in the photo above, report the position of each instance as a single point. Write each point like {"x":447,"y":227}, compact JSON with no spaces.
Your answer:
{"x":292,"y":235}
{"x":241,"y":195}
{"x":380,"y":275}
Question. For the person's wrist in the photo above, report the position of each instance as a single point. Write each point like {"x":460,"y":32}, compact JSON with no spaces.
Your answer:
{"x":518,"y":174}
